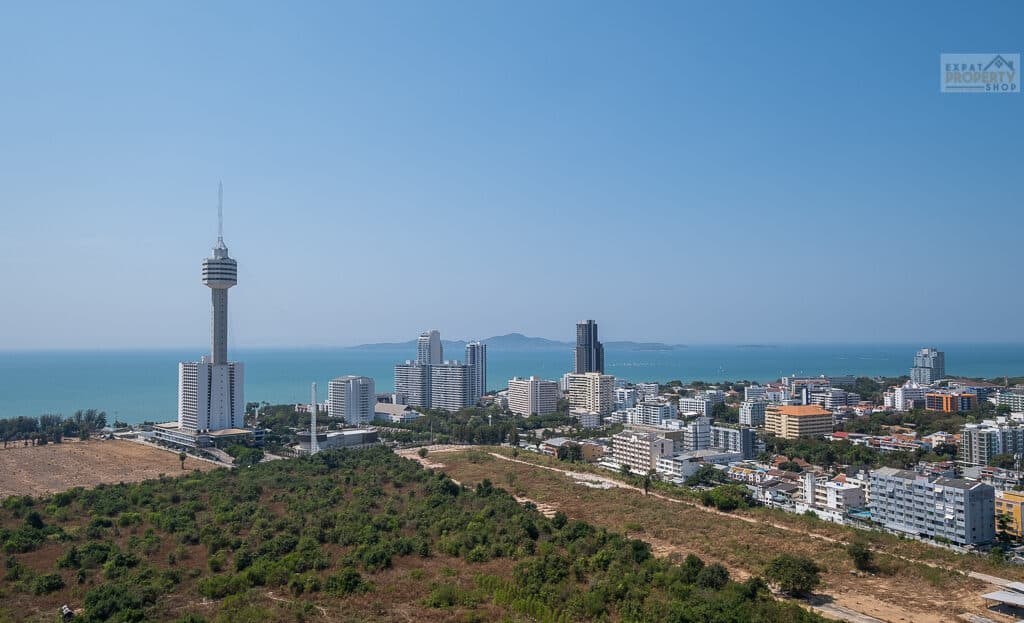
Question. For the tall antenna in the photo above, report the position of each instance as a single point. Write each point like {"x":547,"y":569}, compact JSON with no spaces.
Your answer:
{"x":220,"y":211}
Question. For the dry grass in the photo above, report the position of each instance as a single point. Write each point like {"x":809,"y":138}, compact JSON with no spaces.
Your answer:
{"x":911,"y":592}
{"x":40,"y":470}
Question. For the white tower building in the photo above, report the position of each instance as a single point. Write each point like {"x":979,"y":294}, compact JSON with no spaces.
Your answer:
{"x":211,"y":391}
{"x":351,"y":398}
{"x":429,"y":351}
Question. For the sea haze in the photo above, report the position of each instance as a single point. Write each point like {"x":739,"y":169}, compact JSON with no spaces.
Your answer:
{"x":139,"y":385}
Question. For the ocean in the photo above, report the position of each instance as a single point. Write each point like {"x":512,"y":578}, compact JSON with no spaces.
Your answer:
{"x":140,"y":385}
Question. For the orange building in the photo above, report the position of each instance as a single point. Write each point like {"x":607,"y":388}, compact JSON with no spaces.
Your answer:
{"x":949,"y":402}
{"x":793,"y":422}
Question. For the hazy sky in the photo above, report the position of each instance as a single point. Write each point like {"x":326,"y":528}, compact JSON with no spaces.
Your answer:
{"x":712,"y":172}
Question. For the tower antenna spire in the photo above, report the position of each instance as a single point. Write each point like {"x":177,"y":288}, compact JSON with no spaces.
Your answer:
{"x":220,"y":212}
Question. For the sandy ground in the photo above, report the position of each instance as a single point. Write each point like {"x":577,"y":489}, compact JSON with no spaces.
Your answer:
{"x":38,"y":470}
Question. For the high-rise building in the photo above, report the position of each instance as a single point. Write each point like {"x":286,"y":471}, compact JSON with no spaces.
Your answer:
{"x":412,"y":384}
{"x":980,"y":442}
{"x":752,"y":412}
{"x":589,"y":351}
{"x":476,"y":359}
{"x":592,"y":391}
{"x":929,"y":366}
{"x":211,"y":391}
{"x":351,"y":398}
{"x":531,"y":396}
{"x":429,"y":351}
{"x":450,"y":385}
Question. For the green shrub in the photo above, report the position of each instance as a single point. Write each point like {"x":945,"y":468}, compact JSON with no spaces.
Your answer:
{"x":47,"y":583}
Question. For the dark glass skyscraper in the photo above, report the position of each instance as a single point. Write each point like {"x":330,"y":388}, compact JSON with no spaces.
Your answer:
{"x":589,"y":351}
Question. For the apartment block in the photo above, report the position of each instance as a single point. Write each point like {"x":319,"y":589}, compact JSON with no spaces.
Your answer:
{"x":742,"y":440}
{"x":793,"y":422}
{"x":351,"y":398}
{"x":980,"y":442}
{"x":640,"y":451}
{"x":958,"y":510}
{"x":752,"y":412}
{"x":592,"y":391}
{"x":532,"y":396}
{"x":950,"y":402}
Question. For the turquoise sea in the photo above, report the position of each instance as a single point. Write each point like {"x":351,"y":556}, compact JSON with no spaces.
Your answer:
{"x":140,"y":385}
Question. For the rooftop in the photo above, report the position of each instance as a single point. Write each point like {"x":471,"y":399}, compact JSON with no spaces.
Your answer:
{"x":800,"y":410}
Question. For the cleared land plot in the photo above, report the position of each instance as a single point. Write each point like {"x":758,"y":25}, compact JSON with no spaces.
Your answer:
{"x":39,"y":470}
{"x":905,"y":591}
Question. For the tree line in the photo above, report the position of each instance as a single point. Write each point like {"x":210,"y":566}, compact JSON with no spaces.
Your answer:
{"x":51,"y":428}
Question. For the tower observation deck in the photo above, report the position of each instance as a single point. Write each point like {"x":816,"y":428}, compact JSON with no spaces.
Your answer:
{"x":220,"y":272}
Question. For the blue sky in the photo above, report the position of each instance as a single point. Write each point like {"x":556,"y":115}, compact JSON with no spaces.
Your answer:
{"x":682,"y":172}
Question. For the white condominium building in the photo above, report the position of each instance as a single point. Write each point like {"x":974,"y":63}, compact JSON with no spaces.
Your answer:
{"x":592,"y":391}
{"x":648,"y":391}
{"x":640,"y":451}
{"x":476,"y":359}
{"x":909,"y":395}
{"x":532,"y":396}
{"x":412,"y":384}
{"x":352,"y":398}
{"x":655,"y":412}
{"x":210,"y":395}
{"x":754,"y":392}
{"x":450,"y":386}
{"x":429,"y":351}
{"x":699,"y":405}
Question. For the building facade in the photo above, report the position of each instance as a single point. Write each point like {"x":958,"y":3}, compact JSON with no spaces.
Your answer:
{"x":742,"y":440}
{"x":589,"y":354}
{"x":960,"y":511}
{"x":640,"y":451}
{"x":793,"y":422}
{"x":476,"y":359}
{"x":752,"y":413}
{"x":532,"y":396}
{"x":412,"y":384}
{"x":929,"y":366}
{"x":450,"y":386}
{"x":429,"y":351}
{"x":980,"y":442}
{"x":352,"y":398}
{"x":592,"y":392}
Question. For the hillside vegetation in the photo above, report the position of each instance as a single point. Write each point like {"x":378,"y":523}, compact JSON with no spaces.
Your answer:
{"x":355,"y":536}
